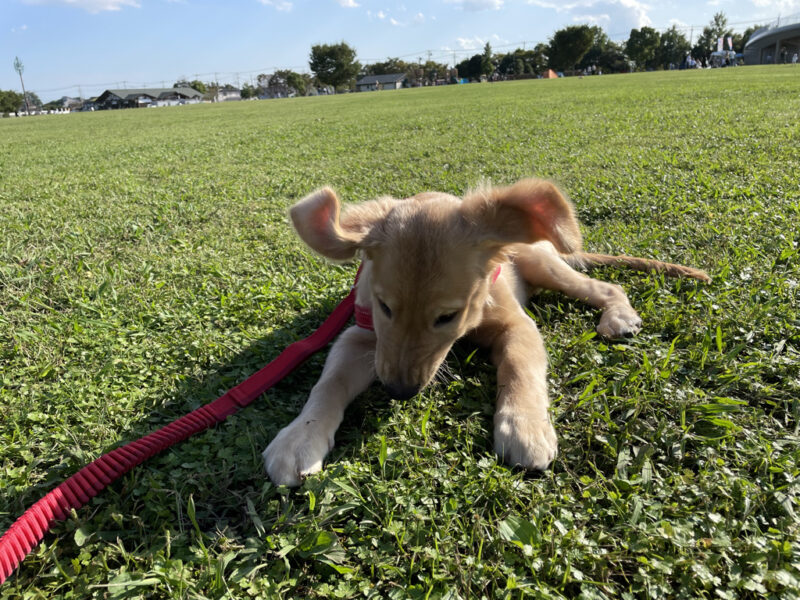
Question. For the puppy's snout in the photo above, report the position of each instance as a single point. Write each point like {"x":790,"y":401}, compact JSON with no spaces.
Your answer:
{"x":402,"y":391}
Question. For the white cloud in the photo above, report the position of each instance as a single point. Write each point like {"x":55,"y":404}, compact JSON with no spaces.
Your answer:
{"x":624,"y":14}
{"x":348,"y":3}
{"x":778,"y":6}
{"x":280,"y":5}
{"x":473,"y":43}
{"x":601,"y":20}
{"x":395,"y":22}
{"x":419,"y":18}
{"x":381,"y":15}
{"x":476,"y":5}
{"x":496,"y":39}
{"x":92,"y":6}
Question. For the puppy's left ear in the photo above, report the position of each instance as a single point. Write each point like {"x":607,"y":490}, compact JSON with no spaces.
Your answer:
{"x":526,"y":212}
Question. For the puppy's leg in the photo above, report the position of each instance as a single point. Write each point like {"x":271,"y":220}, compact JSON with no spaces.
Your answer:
{"x":523,"y":433}
{"x":541,"y":266}
{"x":300,"y":447}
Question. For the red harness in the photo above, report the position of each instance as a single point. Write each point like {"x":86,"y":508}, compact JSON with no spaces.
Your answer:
{"x":364,"y":313}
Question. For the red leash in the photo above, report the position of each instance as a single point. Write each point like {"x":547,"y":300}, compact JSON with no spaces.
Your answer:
{"x":29,"y":529}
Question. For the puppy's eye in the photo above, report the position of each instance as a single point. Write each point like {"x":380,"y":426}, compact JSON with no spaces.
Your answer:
{"x":445,"y":319}
{"x":385,"y":309}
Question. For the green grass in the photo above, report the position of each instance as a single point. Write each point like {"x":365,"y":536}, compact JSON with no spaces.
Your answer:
{"x":146,"y":265}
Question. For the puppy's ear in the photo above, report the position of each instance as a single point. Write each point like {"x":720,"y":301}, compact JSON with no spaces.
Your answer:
{"x":317,"y":221}
{"x":526,"y":212}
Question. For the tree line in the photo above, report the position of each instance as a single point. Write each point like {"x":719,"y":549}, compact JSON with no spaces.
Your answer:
{"x":577,"y":48}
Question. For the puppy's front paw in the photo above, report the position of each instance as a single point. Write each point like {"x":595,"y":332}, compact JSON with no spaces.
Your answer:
{"x":525,"y":439}
{"x":298,"y":450}
{"x":619,"y":321}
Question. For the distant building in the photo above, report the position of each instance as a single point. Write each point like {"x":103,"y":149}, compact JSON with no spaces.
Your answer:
{"x":774,"y":44}
{"x":141,"y":98}
{"x":380,"y":82}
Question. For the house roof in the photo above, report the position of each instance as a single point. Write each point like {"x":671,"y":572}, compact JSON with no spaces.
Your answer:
{"x":155,"y":93}
{"x":375,"y":79}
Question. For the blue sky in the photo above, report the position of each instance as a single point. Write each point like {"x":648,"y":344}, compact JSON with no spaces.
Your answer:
{"x":85,"y":46}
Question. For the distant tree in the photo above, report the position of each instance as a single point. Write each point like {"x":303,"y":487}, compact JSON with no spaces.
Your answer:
{"x":540,"y":58}
{"x":34,"y":102}
{"x":299,"y":82}
{"x":476,"y":66}
{"x":196,"y":84}
{"x":522,"y":62}
{"x":487,"y":66}
{"x":471,"y":68}
{"x":604,"y":54}
{"x":10,"y":102}
{"x":673,"y":48}
{"x":462,"y":69}
{"x":334,"y":64}
{"x":569,"y":45}
{"x":284,"y":81}
{"x":391,"y":66}
{"x":740,"y":39}
{"x":506,"y":63}
{"x":642,"y":47}
{"x":249,"y":91}
{"x":431,"y":71}
{"x":707,"y":42}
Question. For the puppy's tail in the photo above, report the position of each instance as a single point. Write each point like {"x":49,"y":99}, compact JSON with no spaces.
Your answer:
{"x":588,"y":260}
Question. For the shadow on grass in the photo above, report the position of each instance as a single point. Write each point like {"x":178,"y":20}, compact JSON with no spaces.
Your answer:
{"x":220,"y":469}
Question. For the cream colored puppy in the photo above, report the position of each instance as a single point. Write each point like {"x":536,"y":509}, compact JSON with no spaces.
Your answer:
{"x":437,"y":268}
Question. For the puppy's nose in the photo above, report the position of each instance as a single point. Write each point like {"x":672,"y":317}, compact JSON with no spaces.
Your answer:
{"x":401,"y":391}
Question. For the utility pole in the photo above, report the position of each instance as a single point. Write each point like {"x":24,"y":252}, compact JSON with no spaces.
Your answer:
{"x":19,"y":68}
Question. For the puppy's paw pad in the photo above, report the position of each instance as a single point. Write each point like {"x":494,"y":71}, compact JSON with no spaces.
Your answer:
{"x":618,"y":322}
{"x":525,"y":440}
{"x":296,"y":452}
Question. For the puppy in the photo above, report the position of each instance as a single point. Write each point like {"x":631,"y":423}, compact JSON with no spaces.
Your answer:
{"x":435,"y":269}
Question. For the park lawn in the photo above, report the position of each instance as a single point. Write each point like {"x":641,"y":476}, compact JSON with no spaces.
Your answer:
{"x":147,"y":265}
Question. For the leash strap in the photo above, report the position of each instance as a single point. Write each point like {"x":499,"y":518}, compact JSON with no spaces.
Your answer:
{"x":75,"y":492}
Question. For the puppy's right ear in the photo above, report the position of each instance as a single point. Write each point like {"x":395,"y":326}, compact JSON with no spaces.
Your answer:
{"x":317,"y":221}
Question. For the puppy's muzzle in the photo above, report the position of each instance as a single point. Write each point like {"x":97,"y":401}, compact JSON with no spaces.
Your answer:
{"x":402,"y":391}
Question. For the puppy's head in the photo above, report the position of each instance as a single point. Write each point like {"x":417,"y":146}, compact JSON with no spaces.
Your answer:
{"x":433,"y":257}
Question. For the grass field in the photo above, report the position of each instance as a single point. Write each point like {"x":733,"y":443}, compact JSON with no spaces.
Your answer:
{"x":146,"y":265}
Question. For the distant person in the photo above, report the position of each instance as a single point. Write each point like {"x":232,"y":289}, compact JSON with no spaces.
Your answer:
{"x":794,"y":58}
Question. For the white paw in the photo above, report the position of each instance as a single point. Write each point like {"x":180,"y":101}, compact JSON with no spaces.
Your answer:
{"x":619,"y":321}
{"x":298,"y":450}
{"x":525,"y":439}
